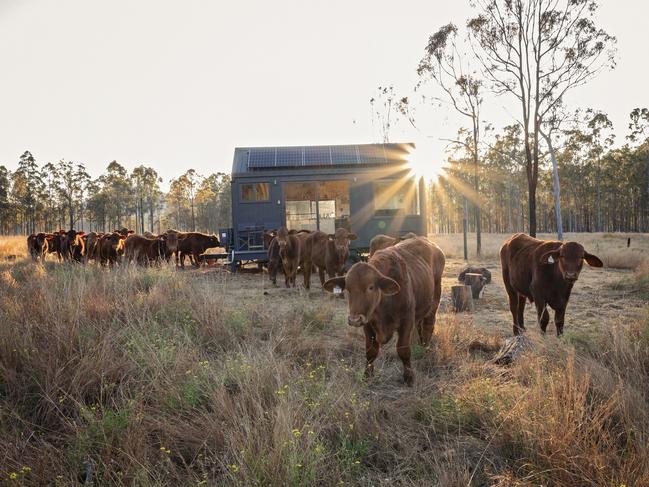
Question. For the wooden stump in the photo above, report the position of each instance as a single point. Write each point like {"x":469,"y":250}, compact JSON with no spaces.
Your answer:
{"x":462,"y":298}
{"x":477,"y":283}
{"x":513,"y":347}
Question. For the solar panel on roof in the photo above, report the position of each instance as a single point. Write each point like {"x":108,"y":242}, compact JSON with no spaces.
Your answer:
{"x":289,"y":156}
{"x":317,"y":156}
{"x":344,"y":154}
{"x":372,"y":154}
{"x":261,"y":158}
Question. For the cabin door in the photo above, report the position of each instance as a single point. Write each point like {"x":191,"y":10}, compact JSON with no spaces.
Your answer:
{"x":322,"y":205}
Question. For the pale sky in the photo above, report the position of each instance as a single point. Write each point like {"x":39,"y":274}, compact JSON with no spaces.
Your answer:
{"x":180,"y":84}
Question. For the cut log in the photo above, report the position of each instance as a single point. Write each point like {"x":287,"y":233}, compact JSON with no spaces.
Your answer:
{"x":462,"y":298}
{"x":512,"y":349}
{"x":477,"y":283}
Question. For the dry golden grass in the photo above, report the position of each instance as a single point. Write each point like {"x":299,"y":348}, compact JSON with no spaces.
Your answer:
{"x":160,"y":377}
{"x":610,"y":247}
{"x":13,"y":247}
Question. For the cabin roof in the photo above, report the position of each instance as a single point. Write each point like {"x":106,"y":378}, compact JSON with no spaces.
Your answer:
{"x":250,"y":160}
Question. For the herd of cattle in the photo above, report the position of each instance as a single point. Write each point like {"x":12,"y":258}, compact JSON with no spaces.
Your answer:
{"x":109,"y":248}
{"x":398,"y":289}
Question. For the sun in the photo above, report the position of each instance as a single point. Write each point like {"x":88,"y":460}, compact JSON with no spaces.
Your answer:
{"x":424,"y":161}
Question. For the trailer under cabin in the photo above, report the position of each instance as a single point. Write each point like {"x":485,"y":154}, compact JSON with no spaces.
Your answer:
{"x":369,"y":189}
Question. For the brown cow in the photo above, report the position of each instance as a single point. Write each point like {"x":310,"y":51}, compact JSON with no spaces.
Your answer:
{"x":291,"y":252}
{"x":144,"y":250}
{"x":55,"y":243}
{"x":37,"y":245}
{"x":72,"y":245}
{"x":543,"y":272}
{"x":397,"y":289}
{"x":194,"y":244}
{"x":381,"y":241}
{"x":326,"y":253}
{"x":109,"y":248}
{"x":274,"y":260}
{"x":90,"y":242}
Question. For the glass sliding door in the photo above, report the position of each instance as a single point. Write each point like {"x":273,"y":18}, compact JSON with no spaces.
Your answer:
{"x":301,"y":206}
{"x":322,"y":205}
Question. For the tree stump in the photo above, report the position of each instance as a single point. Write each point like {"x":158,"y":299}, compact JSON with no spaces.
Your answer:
{"x":512,"y":348}
{"x":462,"y":298}
{"x":475,"y":270}
{"x":477,"y":283}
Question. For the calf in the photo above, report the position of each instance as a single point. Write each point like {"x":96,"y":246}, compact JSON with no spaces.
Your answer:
{"x":291,"y":252}
{"x":274,"y":260}
{"x":397,"y":289}
{"x":144,"y":250}
{"x":326,"y":253}
{"x":543,"y":272}
{"x":381,"y":241}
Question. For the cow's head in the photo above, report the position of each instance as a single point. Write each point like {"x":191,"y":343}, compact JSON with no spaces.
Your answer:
{"x":365,"y":286}
{"x":569,"y":259}
{"x":125,"y":232}
{"x":282,"y":240}
{"x":40,"y":238}
{"x":213,"y":241}
{"x":340,"y":241}
{"x":269,"y":235}
{"x":172,"y":241}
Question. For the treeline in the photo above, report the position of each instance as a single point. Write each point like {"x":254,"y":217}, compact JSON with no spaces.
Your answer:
{"x":62,"y":195}
{"x":603,"y":188}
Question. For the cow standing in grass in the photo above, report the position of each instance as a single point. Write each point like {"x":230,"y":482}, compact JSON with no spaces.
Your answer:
{"x":326,"y":252}
{"x":543,"y":272}
{"x":37,"y":245}
{"x":291,"y":252}
{"x":398,"y":289}
{"x":193,"y":244}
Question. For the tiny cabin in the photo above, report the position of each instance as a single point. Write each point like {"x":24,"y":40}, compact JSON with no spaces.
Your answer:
{"x":368,"y":189}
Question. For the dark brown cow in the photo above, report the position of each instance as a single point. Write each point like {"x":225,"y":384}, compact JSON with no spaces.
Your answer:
{"x":381,"y":241}
{"x":274,"y":260}
{"x":72,"y":245}
{"x":397,"y":289}
{"x":55,"y":243}
{"x":291,"y":252}
{"x":91,"y":248}
{"x":326,"y":252}
{"x":144,"y":250}
{"x":37,"y":245}
{"x":109,"y":248}
{"x":543,"y":272}
{"x":194,"y":244}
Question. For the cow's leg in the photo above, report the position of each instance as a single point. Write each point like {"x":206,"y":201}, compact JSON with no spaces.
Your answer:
{"x":306,"y":270}
{"x":542,"y":315}
{"x":425,"y":328}
{"x":403,"y":350}
{"x":559,"y":315}
{"x":513,"y":307}
{"x":287,"y":276}
{"x":182,"y":259}
{"x":372,"y":347}
{"x":321,"y":274}
{"x":196,"y":262}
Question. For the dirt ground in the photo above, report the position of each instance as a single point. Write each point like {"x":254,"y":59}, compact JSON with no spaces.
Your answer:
{"x":595,"y":301}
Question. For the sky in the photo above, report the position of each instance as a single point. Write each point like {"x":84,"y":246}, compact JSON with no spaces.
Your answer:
{"x":179,"y":84}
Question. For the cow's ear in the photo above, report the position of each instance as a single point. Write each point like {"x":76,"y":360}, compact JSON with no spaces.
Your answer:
{"x":388,"y":286}
{"x":334,"y":282}
{"x":550,"y":257}
{"x":593,"y":260}
{"x":331,"y":237}
{"x":352,"y":236}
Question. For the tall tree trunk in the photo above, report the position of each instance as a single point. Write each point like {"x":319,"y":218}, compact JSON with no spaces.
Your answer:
{"x":555,"y":186}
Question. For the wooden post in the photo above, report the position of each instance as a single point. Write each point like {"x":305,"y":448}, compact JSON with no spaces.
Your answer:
{"x":462,"y":298}
{"x":477,"y":283}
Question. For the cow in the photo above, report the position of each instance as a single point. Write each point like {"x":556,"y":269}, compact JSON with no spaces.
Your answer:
{"x":194,"y":244}
{"x":326,"y":252}
{"x":37,"y":245}
{"x":397,"y":289}
{"x":90,"y":242}
{"x":55,"y":243}
{"x":144,"y":250}
{"x":124,"y":232}
{"x":543,"y":272}
{"x":109,"y":248}
{"x":274,"y":260}
{"x":72,"y":245}
{"x":291,"y":252}
{"x":381,"y":241}
{"x":171,"y":242}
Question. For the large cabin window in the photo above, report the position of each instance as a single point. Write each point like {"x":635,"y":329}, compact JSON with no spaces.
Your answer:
{"x":255,"y":192}
{"x":397,"y":196}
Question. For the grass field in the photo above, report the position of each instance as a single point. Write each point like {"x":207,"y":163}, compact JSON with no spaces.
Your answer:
{"x":163,"y":377}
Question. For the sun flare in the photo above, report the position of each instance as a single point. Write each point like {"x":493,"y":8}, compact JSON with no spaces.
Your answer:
{"x":424,"y":161}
